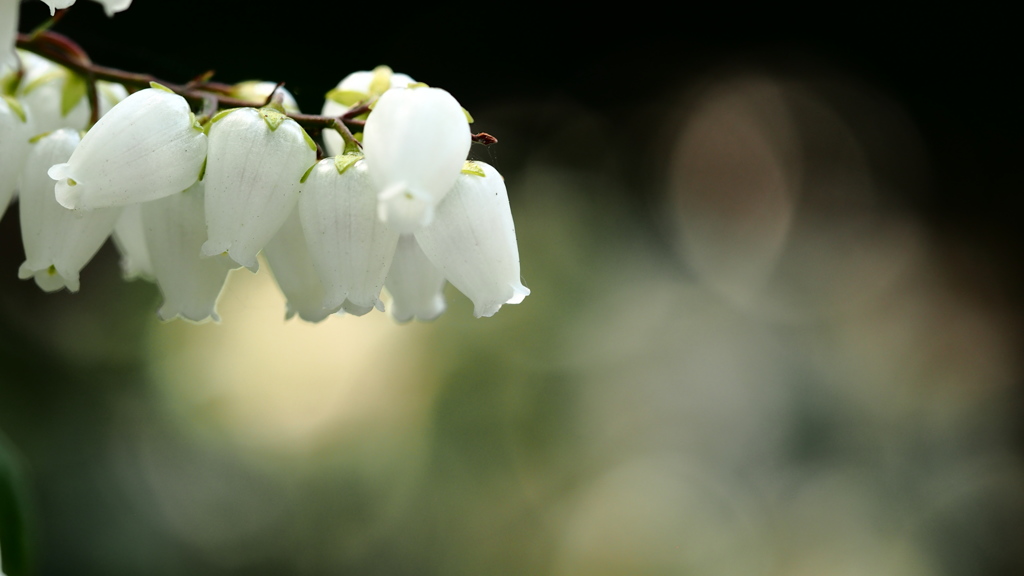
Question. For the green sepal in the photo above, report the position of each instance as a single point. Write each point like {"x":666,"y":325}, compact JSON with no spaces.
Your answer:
{"x":413,"y":85}
{"x":346,"y":161}
{"x":273,"y":118}
{"x":74,"y":90}
{"x":38,"y":137}
{"x":346,"y":97}
{"x":15,"y":107}
{"x":306,"y":175}
{"x":195,"y":122}
{"x":160,"y":86}
{"x":473,"y":169}
{"x":381,"y":81}
{"x":9,"y":83}
{"x":469,"y":117}
{"x":309,"y":140}
{"x":353,"y":148}
{"x":216,"y":117}
{"x":48,"y":77}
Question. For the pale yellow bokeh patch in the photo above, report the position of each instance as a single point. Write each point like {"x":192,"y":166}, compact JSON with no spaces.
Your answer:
{"x":289,"y":386}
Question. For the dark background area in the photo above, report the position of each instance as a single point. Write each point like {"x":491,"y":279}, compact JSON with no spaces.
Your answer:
{"x":598,"y":94}
{"x":952,"y":72}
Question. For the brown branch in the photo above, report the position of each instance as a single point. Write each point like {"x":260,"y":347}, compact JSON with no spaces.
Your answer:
{"x":202,"y":94}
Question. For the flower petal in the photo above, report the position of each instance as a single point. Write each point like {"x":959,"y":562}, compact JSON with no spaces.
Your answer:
{"x":58,"y":242}
{"x":473,"y":242}
{"x":415,"y":141}
{"x":8,"y":31}
{"x":256,"y":161}
{"x":350,"y":247}
{"x":148,"y":146}
{"x":112,"y":7}
{"x":130,"y":238}
{"x":293,"y":270}
{"x":416,"y":286}
{"x":175,"y":229}
{"x":16,"y":127}
{"x":354,"y":83}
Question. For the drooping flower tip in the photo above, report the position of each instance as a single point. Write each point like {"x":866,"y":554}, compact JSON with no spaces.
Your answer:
{"x":472,"y":241}
{"x":486,"y":309}
{"x":404,"y":210}
{"x":66,"y":190}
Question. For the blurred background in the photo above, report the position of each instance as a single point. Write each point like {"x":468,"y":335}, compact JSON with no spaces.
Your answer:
{"x":775,"y":326}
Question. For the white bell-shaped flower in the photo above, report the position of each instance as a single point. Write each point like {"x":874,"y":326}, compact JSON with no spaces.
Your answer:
{"x":130,"y":238}
{"x":354,"y":88}
{"x":57,"y":96}
{"x":58,"y":242}
{"x":473,"y":241}
{"x":255,"y":163}
{"x":58,"y":5}
{"x":415,"y":285}
{"x":175,"y":229}
{"x":350,"y":247}
{"x":16,"y":127}
{"x":415,"y":141}
{"x":111,"y":7}
{"x":8,"y":31}
{"x":288,"y":256}
{"x":257,"y":92}
{"x":148,"y":146}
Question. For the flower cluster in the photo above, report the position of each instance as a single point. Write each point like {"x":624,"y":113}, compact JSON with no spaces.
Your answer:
{"x":187,"y":199}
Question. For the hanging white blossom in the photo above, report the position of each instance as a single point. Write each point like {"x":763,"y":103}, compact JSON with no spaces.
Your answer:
{"x":255,"y":163}
{"x":130,"y":238}
{"x":111,"y":7}
{"x":16,"y":127}
{"x":354,"y":88}
{"x":8,"y":31}
{"x":58,"y":242}
{"x":415,"y":141}
{"x":175,"y":228}
{"x":289,"y":260}
{"x":350,"y":247}
{"x":57,"y":96}
{"x":415,"y":285}
{"x":472,"y":241}
{"x":148,"y":146}
{"x":257,"y":92}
